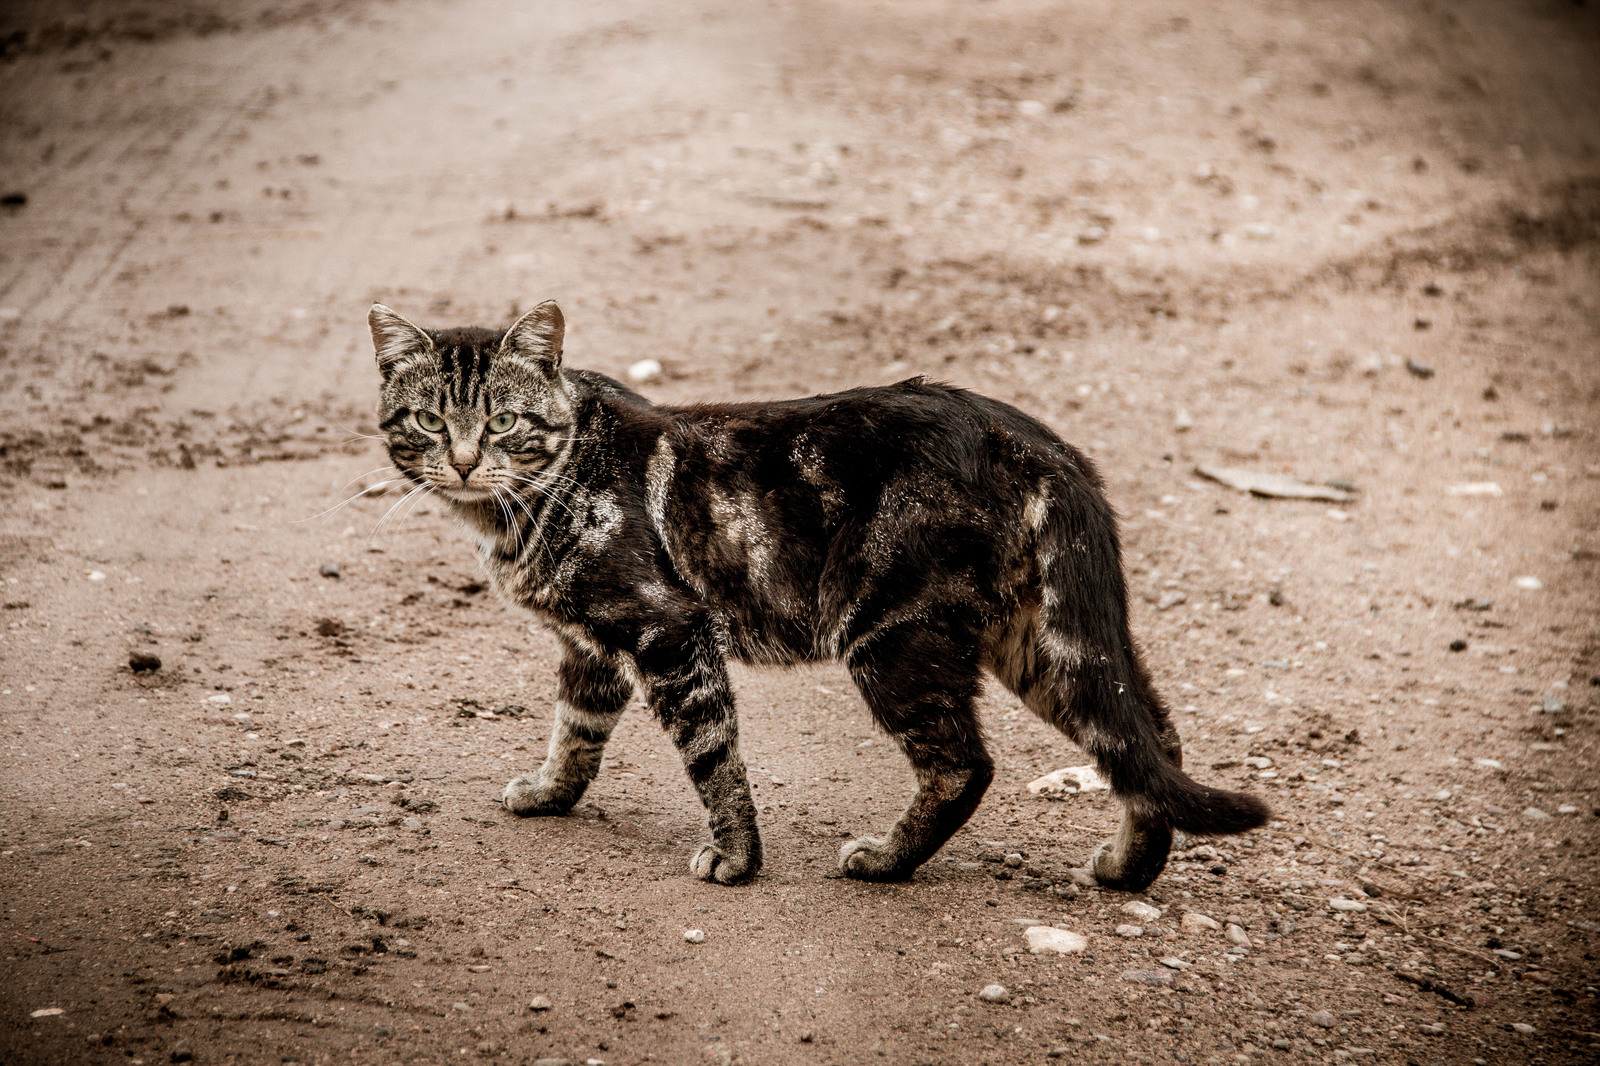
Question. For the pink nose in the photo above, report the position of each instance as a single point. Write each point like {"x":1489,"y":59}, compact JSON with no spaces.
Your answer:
{"x":464,"y":469}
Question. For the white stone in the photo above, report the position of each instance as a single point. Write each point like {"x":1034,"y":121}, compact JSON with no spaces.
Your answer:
{"x":1069,"y":780}
{"x":644,"y":370}
{"x":1351,"y":906}
{"x":1141,"y":910}
{"x":1131,"y":932}
{"x":47,"y":1012}
{"x":1237,"y":936}
{"x":994,"y":994}
{"x":694,"y":936}
{"x":1536,"y":814}
{"x":1195,"y":922}
{"x":1532,"y":584}
{"x":1043,"y":940}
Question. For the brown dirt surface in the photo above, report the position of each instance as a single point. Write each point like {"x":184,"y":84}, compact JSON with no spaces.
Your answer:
{"x":1357,"y":243}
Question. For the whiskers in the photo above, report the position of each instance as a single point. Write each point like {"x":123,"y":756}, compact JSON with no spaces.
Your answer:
{"x":412,"y":497}
{"x":368,"y":490}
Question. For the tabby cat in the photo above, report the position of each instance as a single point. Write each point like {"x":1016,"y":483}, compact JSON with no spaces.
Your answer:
{"x":919,"y":533}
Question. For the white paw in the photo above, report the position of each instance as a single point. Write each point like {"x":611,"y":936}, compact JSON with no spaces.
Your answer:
{"x":525,"y":796}
{"x":710,"y":864}
{"x":1069,"y":781}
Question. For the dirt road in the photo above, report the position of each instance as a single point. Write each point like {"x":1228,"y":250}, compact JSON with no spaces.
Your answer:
{"x":1357,"y":243}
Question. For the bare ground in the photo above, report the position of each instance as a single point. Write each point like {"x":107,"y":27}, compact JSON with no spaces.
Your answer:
{"x":1355,"y":242}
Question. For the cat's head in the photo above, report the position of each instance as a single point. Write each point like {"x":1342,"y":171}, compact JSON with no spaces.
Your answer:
{"x":469,"y":411}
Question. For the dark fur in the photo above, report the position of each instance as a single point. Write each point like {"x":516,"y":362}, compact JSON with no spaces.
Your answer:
{"x":920,"y":533}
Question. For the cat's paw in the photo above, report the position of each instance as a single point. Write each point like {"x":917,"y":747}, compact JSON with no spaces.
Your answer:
{"x":525,"y":796}
{"x":1116,"y":871}
{"x":710,"y":863}
{"x":870,"y":859}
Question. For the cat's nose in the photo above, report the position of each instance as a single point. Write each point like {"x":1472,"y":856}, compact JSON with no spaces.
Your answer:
{"x":464,"y":469}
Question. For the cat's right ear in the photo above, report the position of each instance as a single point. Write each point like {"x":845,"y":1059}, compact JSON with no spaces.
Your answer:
{"x":394,"y":338}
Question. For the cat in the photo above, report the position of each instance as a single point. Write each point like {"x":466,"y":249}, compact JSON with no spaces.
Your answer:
{"x":919,"y":533}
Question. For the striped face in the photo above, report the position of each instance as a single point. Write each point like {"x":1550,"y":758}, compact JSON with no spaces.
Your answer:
{"x":474,"y":414}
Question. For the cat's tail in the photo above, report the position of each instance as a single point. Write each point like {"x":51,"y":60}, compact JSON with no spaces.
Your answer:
{"x":1075,"y":664}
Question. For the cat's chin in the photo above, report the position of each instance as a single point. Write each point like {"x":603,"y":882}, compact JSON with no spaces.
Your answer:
{"x":466,"y":495}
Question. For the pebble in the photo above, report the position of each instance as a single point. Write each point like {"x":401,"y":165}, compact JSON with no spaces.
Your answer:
{"x":1237,"y":936}
{"x":994,"y":994}
{"x":552,"y":1062}
{"x":1441,"y":795}
{"x":1258,"y":762}
{"x":143,"y":662}
{"x":1042,"y":939}
{"x":1014,"y":860}
{"x":1325,"y":1019}
{"x":1524,"y":1028}
{"x":1535,"y":813}
{"x":1195,"y":922}
{"x":1155,"y":978}
{"x":328,"y":569}
{"x":644,"y":370}
{"x":1172,"y":962}
{"x":478,"y":969}
{"x":47,"y":1012}
{"x":1430,"y":1028}
{"x":538,"y":1003}
{"x":1143,"y":911}
{"x":1350,"y":906}
{"x":694,"y":936}
{"x":182,"y":1052}
{"x":1132,"y":932}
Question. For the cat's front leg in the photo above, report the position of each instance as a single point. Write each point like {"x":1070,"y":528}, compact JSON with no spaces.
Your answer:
{"x":590,"y":695}
{"x":689,"y":692}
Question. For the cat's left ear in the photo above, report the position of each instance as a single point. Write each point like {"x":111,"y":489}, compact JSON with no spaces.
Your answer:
{"x":538,"y":335}
{"x":394,"y":338}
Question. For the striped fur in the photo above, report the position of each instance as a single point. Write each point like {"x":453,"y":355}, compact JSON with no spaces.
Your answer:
{"x":921,"y":534}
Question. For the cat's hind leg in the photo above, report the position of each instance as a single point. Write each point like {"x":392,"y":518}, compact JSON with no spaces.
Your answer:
{"x":590,"y":695}
{"x":920,"y":681}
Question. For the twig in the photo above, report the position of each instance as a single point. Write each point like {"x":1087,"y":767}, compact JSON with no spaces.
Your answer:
{"x":1400,"y":921}
{"x":25,"y":936}
{"x":1437,"y":989}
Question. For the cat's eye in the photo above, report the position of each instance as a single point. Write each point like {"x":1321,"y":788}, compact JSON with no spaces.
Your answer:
{"x":430,"y":421}
{"x":502,"y":422}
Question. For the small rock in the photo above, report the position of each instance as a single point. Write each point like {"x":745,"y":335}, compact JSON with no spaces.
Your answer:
{"x":1430,"y":1028}
{"x":1014,"y":860}
{"x":1258,"y":762}
{"x":1535,"y":814}
{"x":1350,"y":906}
{"x":694,"y":936}
{"x":1237,"y":936}
{"x":467,"y":1007}
{"x":1421,"y":370}
{"x":644,"y":370}
{"x":1170,"y":599}
{"x":1155,"y":978}
{"x":1131,"y":932}
{"x":994,"y":994}
{"x":1042,"y":939}
{"x":47,"y":1012}
{"x":1183,"y":421}
{"x":1325,"y":1019}
{"x":328,"y":569}
{"x":552,"y":1062}
{"x":1566,"y":808}
{"x":182,"y":1052}
{"x":1194,"y":922}
{"x":329,"y":627}
{"x":1524,"y":1028}
{"x":143,"y":662}
{"x":1206,"y":851}
{"x":1507,"y":954}
{"x":1532,"y":584}
{"x":1441,"y":795}
{"x":1141,"y":910}
{"x":1172,"y":962}
{"x":538,"y":1003}
{"x":478,"y":969}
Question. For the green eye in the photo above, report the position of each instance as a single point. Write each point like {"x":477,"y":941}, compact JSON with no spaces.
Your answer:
{"x":502,"y":422}
{"x":430,"y":421}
